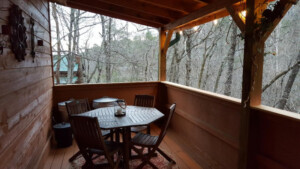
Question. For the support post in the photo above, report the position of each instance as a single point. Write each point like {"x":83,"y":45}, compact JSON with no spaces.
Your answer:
{"x":162,"y":58}
{"x":256,"y":33}
{"x":252,"y":74}
{"x":164,"y":45}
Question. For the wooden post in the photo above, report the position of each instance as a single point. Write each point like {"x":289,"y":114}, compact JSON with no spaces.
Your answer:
{"x":252,"y":74}
{"x":164,"y":45}
{"x":162,"y":56}
{"x":256,"y":33}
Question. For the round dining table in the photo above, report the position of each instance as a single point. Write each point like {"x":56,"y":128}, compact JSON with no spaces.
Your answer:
{"x":135,"y":116}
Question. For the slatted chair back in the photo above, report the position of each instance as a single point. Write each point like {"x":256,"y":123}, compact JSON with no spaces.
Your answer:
{"x":88,"y":135}
{"x":87,"y":132}
{"x":81,"y":106}
{"x":152,"y":142}
{"x":78,"y":106}
{"x":166,"y":124}
{"x":144,"y":100}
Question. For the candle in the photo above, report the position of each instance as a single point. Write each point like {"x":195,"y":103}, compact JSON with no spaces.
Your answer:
{"x":119,"y":111}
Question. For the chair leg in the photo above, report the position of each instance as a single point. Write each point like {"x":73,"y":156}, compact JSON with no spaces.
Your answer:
{"x":146,"y":159}
{"x":148,"y":129}
{"x":141,"y":165}
{"x":75,"y":156}
{"x":148,"y":132}
{"x":166,"y":156}
{"x":111,"y":135}
{"x":117,"y":132}
{"x":152,"y":165}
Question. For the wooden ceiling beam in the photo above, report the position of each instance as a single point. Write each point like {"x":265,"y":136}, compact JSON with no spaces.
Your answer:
{"x":118,"y":11}
{"x":122,"y":11}
{"x":146,"y":8}
{"x":114,"y":15}
{"x":205,"y":1}
{"x":178,"y":5}
{"x":202,"y":12}
{"x":222,"y":13}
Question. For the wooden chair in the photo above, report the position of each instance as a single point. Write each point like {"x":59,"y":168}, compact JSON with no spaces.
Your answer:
{"x":78,"y":106}
{"x":81,"y":106}
{"x":152,"y":142}
{"x":144,"y":101}
{"x":91,"y":143}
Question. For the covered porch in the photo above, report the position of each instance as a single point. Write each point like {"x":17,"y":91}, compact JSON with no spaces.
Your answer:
{"x":211,"y":130}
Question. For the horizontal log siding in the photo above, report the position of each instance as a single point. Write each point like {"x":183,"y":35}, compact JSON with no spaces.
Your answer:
{"x":26,"y":91}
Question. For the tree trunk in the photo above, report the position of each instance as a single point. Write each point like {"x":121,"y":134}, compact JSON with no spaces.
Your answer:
{"x":57,"y":70}
{"x":219,"y":74}
{"x":70,"y":57}
{"x":188,"y":64}
{"x":205,"y":86}
{"x":173,"y":72}
{"x":282,"y":102}
{"x":202,"y":65}
{"x":230,"y":62}
{"x":99,"y":68}
{"x":76,"y":48}
{"x":283,"y":73}
{"x":106,"y":40}
{"x":108,"y":52}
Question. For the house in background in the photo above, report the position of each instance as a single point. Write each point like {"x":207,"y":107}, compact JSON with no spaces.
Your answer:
{"x":64,"y":70}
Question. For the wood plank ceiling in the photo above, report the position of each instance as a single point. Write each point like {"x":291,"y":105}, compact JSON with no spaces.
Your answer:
{"x":166,"y":14}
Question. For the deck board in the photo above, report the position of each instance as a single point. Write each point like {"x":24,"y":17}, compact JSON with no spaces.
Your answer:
{"x":59,"y":157}
{"x":50,"y":159}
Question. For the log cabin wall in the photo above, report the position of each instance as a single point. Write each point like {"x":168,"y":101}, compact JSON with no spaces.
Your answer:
{"x":26,"y":91}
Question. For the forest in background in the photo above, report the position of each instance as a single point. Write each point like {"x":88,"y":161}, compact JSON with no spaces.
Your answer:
{"x":92,"y":48}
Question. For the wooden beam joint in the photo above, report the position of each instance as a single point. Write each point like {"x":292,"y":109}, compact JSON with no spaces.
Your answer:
{"x":271,"y":18}
{"x":167,"y":42}
{"x":202,"y":12}
{"x":236,"y":18}
{"x":164,"y":45}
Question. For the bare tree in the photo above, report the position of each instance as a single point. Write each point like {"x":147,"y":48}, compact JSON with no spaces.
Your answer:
{"x":230,"y":62}
{"x":106,"y":41}
{"x":286,"y":93}
{"x":58,"y":45}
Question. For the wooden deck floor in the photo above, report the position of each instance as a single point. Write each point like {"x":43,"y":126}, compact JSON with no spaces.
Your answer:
{"x":58,"y":158}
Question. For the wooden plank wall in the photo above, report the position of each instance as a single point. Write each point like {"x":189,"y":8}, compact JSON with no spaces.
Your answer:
{"x":26,"y":91}
{"x":125,"y":91}
{"x":274,"y":140}
{"x":208,"y":123}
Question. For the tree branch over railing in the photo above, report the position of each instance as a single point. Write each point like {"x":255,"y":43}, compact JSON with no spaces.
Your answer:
{"x":279,"y":75}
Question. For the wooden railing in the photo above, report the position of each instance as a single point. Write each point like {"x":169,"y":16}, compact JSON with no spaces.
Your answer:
{"x":208,"y":124}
